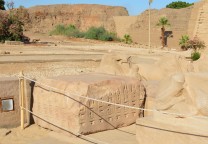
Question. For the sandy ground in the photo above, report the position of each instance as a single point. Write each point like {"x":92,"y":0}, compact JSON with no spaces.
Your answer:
{"x":37,"y":135}
{"x":48,"y":69}
{"x":65,"y":57}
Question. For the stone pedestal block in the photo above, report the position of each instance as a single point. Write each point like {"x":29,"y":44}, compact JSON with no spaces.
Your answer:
{"x":80,"y":115}
{"x":9,"y":91}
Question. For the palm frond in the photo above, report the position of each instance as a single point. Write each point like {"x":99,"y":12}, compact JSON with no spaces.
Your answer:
{"x":163,"y":21}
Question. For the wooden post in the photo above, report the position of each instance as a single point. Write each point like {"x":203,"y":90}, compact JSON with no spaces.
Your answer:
{"x":22,"y":95}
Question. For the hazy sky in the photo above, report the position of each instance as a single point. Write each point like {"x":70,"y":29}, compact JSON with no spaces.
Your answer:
{"x":133,"y":6}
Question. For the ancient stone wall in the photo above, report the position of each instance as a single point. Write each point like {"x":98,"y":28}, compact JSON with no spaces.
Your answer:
{"x":201,"y":22}
{"x":45,"y":18}
{"x":194,"y":18}
{"x":191,"y":21}
{"x":177,"y":18}
{"x":183,"y":21}
{"x":122,"y":24}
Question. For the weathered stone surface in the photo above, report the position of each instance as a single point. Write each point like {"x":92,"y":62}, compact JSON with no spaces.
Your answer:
{"x":151,"y":88}
{"x":200,"y":29}
{"x":44,"y":18}
{"x":184,"y":93}
{"x":122,"y":24}
{"x":84,"y":116}
{"x":9,"y":88}
{"x":166,"y":66}
{"x":184,"y":99}
{"x":118,"y":64}
{"x":201,"y":65}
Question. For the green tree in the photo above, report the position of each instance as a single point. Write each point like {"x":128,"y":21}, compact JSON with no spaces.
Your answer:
{"x":2,"y":3}
{"x":179,"y":5}
{"x":11,"y":26}
{"x":163,"y":22}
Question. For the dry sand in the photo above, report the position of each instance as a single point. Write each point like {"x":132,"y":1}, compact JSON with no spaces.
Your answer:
{"x":37,"y":135}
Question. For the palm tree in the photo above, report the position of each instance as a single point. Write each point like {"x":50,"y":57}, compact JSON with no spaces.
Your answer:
{"x":183,"y":42}
{"x":127,"y":39}
{"x":163,"y":22}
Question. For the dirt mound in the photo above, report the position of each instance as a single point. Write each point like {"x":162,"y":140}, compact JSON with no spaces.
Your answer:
{"x":44,"y":18}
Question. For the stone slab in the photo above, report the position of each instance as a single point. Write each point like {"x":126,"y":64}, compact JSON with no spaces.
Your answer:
{"x":82,"y":115}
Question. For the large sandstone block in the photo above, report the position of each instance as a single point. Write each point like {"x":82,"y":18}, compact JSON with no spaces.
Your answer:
{"x":118,"y":64}
{"x":84,"y":116}
{"x":151,"y":88}
{"x":166,"y":66}
{"x":184,"y":99}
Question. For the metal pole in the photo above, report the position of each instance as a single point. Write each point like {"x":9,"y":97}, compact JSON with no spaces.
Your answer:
{"x":150,"y":50}
{"x":22,"y":95}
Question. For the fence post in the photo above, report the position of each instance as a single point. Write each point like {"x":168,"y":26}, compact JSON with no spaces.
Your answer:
{"x":22,"y":95}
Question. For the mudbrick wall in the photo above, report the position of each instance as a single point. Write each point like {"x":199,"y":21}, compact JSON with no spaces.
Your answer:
{"x":191,"y":21}
{"x":183,"y":21}
{"x":201,"y":26}
{"x":45,"y":18}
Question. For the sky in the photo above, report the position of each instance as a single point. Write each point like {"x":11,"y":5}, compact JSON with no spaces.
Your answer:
{"x":134,"y":7}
